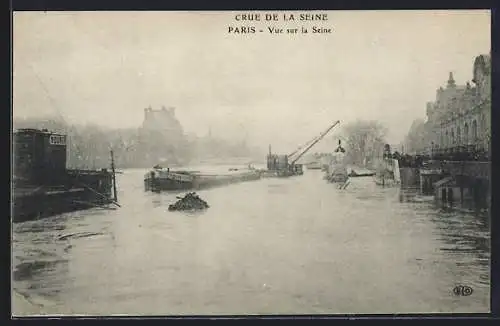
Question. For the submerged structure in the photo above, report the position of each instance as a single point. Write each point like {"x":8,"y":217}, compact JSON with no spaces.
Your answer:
{"x":336,"y":171}
{"x":42,"y":185}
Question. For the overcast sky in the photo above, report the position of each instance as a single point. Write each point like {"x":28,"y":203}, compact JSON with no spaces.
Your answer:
{"x":106,"y":67}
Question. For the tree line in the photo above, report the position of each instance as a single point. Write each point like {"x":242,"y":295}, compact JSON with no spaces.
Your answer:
{"x":89,"y":146}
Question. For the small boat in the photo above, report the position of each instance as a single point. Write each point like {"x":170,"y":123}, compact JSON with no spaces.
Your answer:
{"x":161,"y":179}
{"x":361,"y":173}
{"x":313,"y":165}
{"x":337,"y":174}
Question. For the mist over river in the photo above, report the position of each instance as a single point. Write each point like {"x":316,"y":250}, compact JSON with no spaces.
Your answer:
{"x":294,"y":245}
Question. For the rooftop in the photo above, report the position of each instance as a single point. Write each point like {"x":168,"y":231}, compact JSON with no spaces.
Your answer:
{"x":34,"y":131}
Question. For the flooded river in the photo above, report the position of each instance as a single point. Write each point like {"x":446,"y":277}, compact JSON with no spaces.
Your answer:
{"x":289,"y":246}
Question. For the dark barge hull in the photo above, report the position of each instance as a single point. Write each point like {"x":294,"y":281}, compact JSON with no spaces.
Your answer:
{"x":42,"y":184}
{"x":81,"y":190}
{"x":160,"y":184}
{"x":354,"y":175}
{"x":198,"y":182}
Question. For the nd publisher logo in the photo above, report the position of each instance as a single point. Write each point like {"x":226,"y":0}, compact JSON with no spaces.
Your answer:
{"x":462,"y":290}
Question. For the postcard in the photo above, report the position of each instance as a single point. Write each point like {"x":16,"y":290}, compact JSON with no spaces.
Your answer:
{"x":216,"y":163}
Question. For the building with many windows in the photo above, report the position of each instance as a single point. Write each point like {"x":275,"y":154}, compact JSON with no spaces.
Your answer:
{"x":458,"y":121}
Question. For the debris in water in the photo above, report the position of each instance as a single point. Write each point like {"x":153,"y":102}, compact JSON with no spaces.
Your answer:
{"x":79,"y":235}
{"x":191,"y":201}
{"x":345,"y":184}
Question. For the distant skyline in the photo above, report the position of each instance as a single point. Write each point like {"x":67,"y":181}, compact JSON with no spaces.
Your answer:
{"x":106,"y":67}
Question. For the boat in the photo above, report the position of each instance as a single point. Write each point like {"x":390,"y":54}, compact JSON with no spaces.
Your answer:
{"x":43,"y":186}
{"x":314,"y":165}
{"x":163,"y":179}
{"x":360,"y":173}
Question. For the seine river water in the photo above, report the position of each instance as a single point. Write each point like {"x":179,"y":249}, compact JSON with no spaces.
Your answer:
{"x":273,"y":246}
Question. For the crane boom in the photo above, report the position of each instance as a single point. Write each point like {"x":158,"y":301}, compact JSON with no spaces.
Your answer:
{"x":306,"y":144}
{"x":315,"y":142}
{"x":303,"y":146}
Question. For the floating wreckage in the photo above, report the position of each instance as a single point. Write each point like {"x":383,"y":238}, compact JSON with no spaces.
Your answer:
{"x":191,"y":201}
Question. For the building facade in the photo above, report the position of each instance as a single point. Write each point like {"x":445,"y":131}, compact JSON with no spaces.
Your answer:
{"x":161,"y":137}
{"x":459,"y":120}
{"x":163,"y":121}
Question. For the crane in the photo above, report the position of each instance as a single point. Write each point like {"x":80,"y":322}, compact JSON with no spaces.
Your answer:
{"x":299,"y":148}
{"x":314,"y":142}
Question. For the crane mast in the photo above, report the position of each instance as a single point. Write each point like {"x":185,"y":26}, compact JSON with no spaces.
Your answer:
{"x":314,"y":142}
{"x":299,"y":148}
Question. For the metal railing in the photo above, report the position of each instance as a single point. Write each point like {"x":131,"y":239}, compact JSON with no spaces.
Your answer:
{"x":475,"y":153}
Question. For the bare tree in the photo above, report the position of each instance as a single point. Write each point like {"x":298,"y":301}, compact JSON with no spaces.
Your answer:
{"x":365,"y":141}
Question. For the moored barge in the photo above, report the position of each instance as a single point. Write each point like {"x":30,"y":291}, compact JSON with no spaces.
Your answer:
{"x":163,"y":179}
{"x":314,"y":165}
{"x":42,"y":186}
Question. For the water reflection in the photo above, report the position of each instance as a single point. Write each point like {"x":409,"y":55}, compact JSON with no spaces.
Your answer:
{"x":465,"y":237}
{"x":42,"y":254}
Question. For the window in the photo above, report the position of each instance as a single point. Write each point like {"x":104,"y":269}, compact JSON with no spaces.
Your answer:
{"x":474,"y":130}
{"x":483,"y":123}
{"x":466,"y":134}
{"x":57,"y":140}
